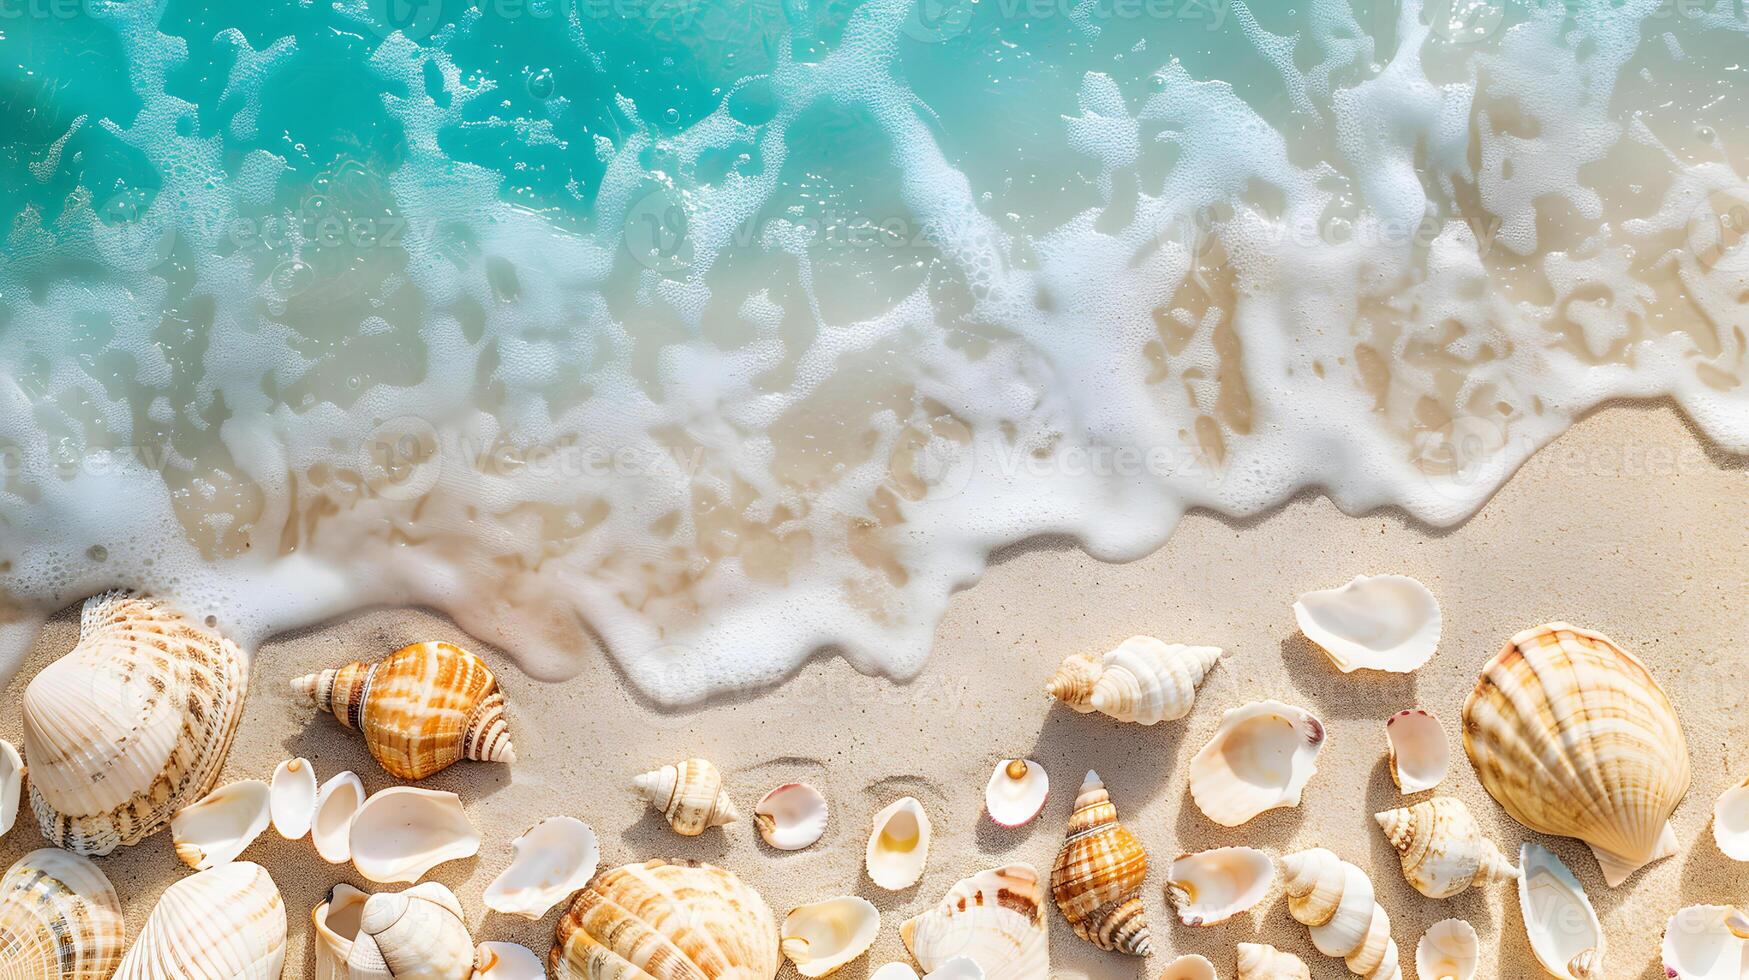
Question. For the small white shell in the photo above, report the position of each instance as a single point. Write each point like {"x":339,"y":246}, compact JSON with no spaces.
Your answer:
{"x":337,"y":802}
{"x":1731,"y":822}
{"x":11,"y":785}
{"x":1210,"y":887}
{"x":1563,"y":928}
{"x":336,"y":924}
{"x":1189,"y":967}
{"x":791,"y":817}
{"x":899,"y":846}
{"x":1016,"y":792}
{"x":1447,"y":951}
{"x":821,"y":937}
{"x":555,"y":858}
{"x":507,"y":961}
{"x":1260,"y":758}
{"x":403,"y":832}
{"x":222,"y":825}
{"x":1707,"y":942}
{"x":896,"y":971}
{"x":293,"y":800}
{"x":1419,"y":755}
{"x":1375,"y":622}
{"x":958,"y":968}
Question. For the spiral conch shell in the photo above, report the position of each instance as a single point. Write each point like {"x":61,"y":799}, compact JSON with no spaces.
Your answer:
{"x":1575,"y":738}
{"x":995,"y":917}
{"x":670,"y":921}
{"x":690,"y":794}
{"x":228,"y":922}
{"x":1143,"y":680}
{"x":1257,"y":961}
{"x":1097,"y":879}
{"x":1335,"y":899}
{"x":131,"y":725}
{"x":336,"y":922}
{"x":417,"y":934}
{"x":1442,"y":850}
{"x":420,"y":709}
{"x":59,"y":919}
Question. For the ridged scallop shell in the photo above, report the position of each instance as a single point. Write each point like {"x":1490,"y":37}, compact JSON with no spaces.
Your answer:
{"x":1141,"y":680}
{"x":1189,"y":967}
{"x":1564,"y":932}
{"x":420,"y":709}
{"x":1442,"y":849}
{"x":1375,"y":622}
{"x":1097,"y":878}
{"x":791,"y":817}
{"x":402,"y":832}
{"x":1416,"y":750}
{"x":1335,"y":899}
{"x":131,"y":725}
{"x":1259,"y":759}
{"x":228,"y":922}
{"x":419,"y":934}
{"x":507,"y":961}
{"x":221,"y":825}
{"x":11,"y":785}
{"x":555,"y":858}
{"x":1258,"y":961}
{"x":292,"y":798}
{"x":995,"y":917}
{"x":1210,"y":887}
{"x":821,"y":937}
{"x":337,"y":802}
{"x":1575,"y":738}
{"x":672,"y":921}
{"x":1448,"y":950}
{"x":59,"y":919}
{"x":1016,"y":792}
{"x":336,"y":924}
{"x":1731,"y":822}
{"x":898,"y":846}
{"x":690,"y":794}
{"x":1707,"y":942}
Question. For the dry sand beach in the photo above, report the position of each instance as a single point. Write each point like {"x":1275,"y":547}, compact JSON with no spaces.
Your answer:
{"x":1627,"y":525}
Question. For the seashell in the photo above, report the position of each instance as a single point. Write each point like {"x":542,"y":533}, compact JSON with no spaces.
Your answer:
{"x":227,"y":922}
{"x":1016,"y":792}
{"x":895,"y":971}
{"x":673,"y":921}
{"x":1335,"y":899}
{"x":402,"y":832}
{"x":690,"y":794}
{"x":337,"y":802}
{"x":59,"y":919}
{"x":899,"y":845}
{"x":1259,"y":759}
{"x":1731,"y":822}
{"x":821,"y":937}
{"x":507,"y":961}
{"x":11,"y":785}
{"x":1416,"y":748}
{"x":1563,"y":928}
{"x":1210,"y":887}
{"x":131,"y":725}
{"x":995,"y":917}
{"x":1142,"y":679}
{"x":420,"y":709}
{"x":1442,"y":850}
{"x":336,"y":924}
{"x":1189,"y":967}
{"x":958,"y":968}
{"x":1375,"y":622}
{"x":1707,"y":942}
{"x":417,"y":934}
{"x":1447,"y":951}
{"x":1257,"y":961}
{"x":791,"y":817}
{"x":292,"y":800}
{"x":1097,"y":879}
{"x":221,"y":826}
{"x":1575,"y":738}
{"x":554,"y":859}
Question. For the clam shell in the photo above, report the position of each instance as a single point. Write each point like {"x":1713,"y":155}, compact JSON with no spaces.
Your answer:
{"x":821,"y":937}
{"x":690,"y":794}
{"x":674,"y":921}
{"x":1189,"y":967}
{"x":131,"y":725}
{"x":1097,"y":878}
{"x":1142,"y":680}
{"x":507,"y":961}
{"x":420,"y":710}
{"x":59,"y":919}
{"x":791,"y":817}
{"x":292,"y":803}
{"x":222,"y":825}
{"x":1563,"y":928}
{"x":401,"y":833}
{"x":1257,"y":961}
{"x":995,"y":917}
{"x":419,"y":934}
{"x":1260,"y":758}
{"x":1447,"y":951}
{"x":555,"y":858}
{"x":1334,"y":899}
{"x":1375,"y":622}
{"x":337,"y":802}
{"x":336,"y":924}
{"x":1707,"y":942}
{"x":11,"y":785}
{"x":1442,"y":849}
{"x":1731,"y":822}
{"x":1416,"y":748}
{"x":898,"y":847}
{"x":1210,"y":887}
{"x":1575,"y":738}
{"x":228,"y":922}
{"x":1016,"y":792}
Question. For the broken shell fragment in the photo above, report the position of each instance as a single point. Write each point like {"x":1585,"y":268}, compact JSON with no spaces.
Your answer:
{"x":1442,"y":849}
{"x":1334,"y":899}
{"x":419,"y":934}
{"x":1417,"y":751}
{"x":706,"y":923}
{"x":1210,"y":887}
{"x":791,"y":817}
{"x":898,"y":847}
{"x":221,"y":826}
{"x":227,"y":922}
{"x":11,"y":785}
{"x":507,"y":961}
{"x":1707,"y":942}
{"x":293,"y":798}
{"x":1563,"y":928}
{"x":1731,"y":822}
{"x":1016,"y":792}
{"x":401,"y":833}
{"x":1097,"y":878}
{"x":690,"y":794}
{"x":1375,"y":622}
{"x":1260,"y":758}
{"x":995,"y":917}
{"x":59,"y":919}
{"x":336,"y":924}
{"x":1141,"y":680}
{"x":337,"y":802}
{"x":821,"y":937}
{"x":1257,"y":961}
{"x":1189,"y":967}
{"x":555,"y":858}
{"x":1447,"y":951}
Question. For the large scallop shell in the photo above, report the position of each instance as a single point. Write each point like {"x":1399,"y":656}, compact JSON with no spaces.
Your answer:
{"x":420,"y":709}
{"x":1575,"y":738}
{"x":418,"y":934}
{"x":791,"y":817}
{"x":1375,"y":622}
{"x":222,"y":825}
{"x":821,"y":937}
{"x":1731,"y":822}
{"x":1416,"y":749}
{"x":11,"y":785}
{"x":1016,"y":792}
{"x":690,"y":794}
{"x":1210,"y":887}
{"x":59,"y":919}
{"x":1257,"y":961}
{"x":228,"y":922}
{"x":1142,"y":679}
{"x":995,"y":917}
{"x":1189,"y":967}
{"x":1563,"y":928}
{"x":1707,"y":942}
{"x":131,"y":725}
{"x":1335,"y":900}
{"x":292,"y":799}
{"x":555,"y":858}
{"x":1448,"y":950}
{"x":1259,"y":759}
{"x":670,"y":921}
{"x":336,"y":923}
{"x":1442,"y":849}
{"x":898,"y":846}
{"x":402,"y":832}
{"x":1097,"y":878}
{"x":337,"y":802}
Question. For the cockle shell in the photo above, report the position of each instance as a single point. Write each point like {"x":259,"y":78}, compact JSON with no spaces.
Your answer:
{"x":1375,"y":622}
{"x":995,"y":917}
{"x":417,"y":934}
{"x":690,"y":794}
{"x":1097,"y":878}
{"x":336,"y":923}
{"x":1416,"y":749}
{"x":821,"y":937}
{"x":1257,"y":961}
{"x":1335,"y":899}
{"x":1575,"y":738}
{"x":672,"y":921}
{"x":507,"y":961}
{"x":898,"y":847}
{"x":791,"y":817}
{"x":1142,"y":679}
{"x":222,"y":825}
{"x":1707,"y":942}
{"x":1442,"y":849}
{"x":1731,"y":822}
{"x":292,"y":800}
{"x":1563,"y":928}
{"x":402,"y":832}
{"x":131,"y":725}
{"x":1447,"y":951}
{"x":1016,"y":792}
{"x":420,"y":709}
{"x":1210,"y":887}
{"x":1189,"y":967}
{"x":337,"y":802}
{"x":228,"y":922}
{"x":11,"y":785}
{"x":59,"y":919}
{"x":555,"y":858}
{"x":1259,"y":759}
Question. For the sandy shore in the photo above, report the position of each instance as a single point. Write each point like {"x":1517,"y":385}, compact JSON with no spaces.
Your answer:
{"x":1626,"y":525}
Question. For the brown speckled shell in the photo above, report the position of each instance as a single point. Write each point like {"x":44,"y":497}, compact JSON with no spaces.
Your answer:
{"x":1097,"y":878}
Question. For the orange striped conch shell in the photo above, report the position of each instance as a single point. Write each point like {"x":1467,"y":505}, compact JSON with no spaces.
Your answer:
{"x":665,"y":921}
{"x":59,"y":919}
{"x":420,"y":709}
{"x":1097,"y":879}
